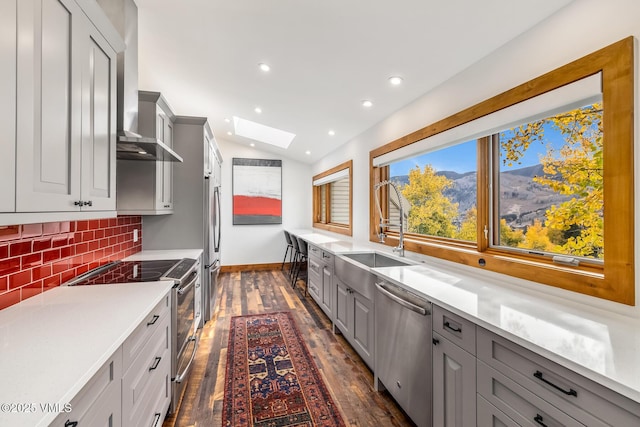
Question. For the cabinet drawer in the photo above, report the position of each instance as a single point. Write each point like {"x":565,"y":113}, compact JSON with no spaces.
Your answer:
{"x":315,"y":268}
{"x":490,"y":416}
{"x":583,"y":399}
{"x":518,"y":403}
{"x":314,"y":288}
{"x":456,"y":329}
{"x":99,"y":398}
{"x":141,"y":335}
{"x":327,"y":258}
{"x":314,"y":252}
{"x":142,"y":382}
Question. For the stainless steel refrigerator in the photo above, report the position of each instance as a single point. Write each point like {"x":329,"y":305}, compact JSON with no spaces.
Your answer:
{"x":195,"y":222}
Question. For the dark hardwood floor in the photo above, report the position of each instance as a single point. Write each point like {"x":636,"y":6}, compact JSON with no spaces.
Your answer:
{"x":349,"y":380}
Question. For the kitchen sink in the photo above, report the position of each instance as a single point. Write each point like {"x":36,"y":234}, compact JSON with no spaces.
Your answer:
{"x":375,"y":259}
{"x":354,"y":269}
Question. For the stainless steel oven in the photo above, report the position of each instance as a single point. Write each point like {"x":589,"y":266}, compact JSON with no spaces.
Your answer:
{"x":185,"y":274}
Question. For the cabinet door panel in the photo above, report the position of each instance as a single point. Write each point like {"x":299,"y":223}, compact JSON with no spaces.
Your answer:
{"x":363,"y":327}
{"x":48,"y":105}
{"x":98,"y":125}
{"x":342,"y":308}
{"x":8,"y":10}
{"x":454,"y":381}
{"x":327,"y":291}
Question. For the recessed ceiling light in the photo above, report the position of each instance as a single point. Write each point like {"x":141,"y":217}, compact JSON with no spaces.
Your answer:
{"x":307,"y":152}
{"x":259,"y":132}
{"x":264,"y":67}
{"x":395,"y":80}
{"x":227,"y":120}
{"x":142,"y":152}
{"x":332,"y":132}
{"x":258,"y":110}
{"x":367,"y":104}
{"x":252,"y":144}
{"x":229,"y":133}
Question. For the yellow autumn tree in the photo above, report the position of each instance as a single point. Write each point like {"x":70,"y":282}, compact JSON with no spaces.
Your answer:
{"x":431,"y":212}
{"x":536,"y":238}
{"x":468,"y":229}
{"x":509,"y":236}
{"x":576,"y":170}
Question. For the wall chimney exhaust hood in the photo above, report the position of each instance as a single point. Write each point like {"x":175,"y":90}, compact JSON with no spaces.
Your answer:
{"x":132,"y":146}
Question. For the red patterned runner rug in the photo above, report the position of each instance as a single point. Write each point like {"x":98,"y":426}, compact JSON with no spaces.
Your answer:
{"x":271,"y":379}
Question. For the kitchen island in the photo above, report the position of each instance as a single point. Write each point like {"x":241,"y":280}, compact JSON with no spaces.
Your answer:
{"x":53,"y":344}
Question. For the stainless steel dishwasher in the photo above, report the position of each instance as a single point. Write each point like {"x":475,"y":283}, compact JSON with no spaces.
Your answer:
{"x":403,"y":350}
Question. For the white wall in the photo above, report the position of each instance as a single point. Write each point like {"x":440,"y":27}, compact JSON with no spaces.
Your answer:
{"x":261,"y":244}
{"x":580,"y":28}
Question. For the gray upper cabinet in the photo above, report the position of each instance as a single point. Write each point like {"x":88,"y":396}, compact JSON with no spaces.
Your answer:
{"x":8,"y":37}
{"x":58,"y":85}
{"x":98,"y":124}
{"x":146,"y":187}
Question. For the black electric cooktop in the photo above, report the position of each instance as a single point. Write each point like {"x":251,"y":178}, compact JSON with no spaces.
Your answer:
{"x":127,"y":272}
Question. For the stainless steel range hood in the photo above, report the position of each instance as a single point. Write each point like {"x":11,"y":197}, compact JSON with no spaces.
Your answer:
{"x":132,"y":146}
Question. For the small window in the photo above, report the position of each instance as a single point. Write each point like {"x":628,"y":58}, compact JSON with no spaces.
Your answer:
{"x":550,"y":187}
{"x":332,"y":194}
{"x":438,"y":192}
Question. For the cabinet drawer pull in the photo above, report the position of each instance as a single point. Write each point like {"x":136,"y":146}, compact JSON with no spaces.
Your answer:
{"x":156,"y":362}
{"x":453,"y":328}
{"x":156,"y":418}
{"x":153,"y":320}
{"x":435,"y":341}
{"x":571,"y":391}
{"x":70,"y":423}
{"x":77,"y":203}
{"x":89,"y":203}
{"x":538,"y":418}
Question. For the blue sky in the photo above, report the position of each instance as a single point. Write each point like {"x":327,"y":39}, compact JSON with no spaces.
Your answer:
{"x":461,"y":158}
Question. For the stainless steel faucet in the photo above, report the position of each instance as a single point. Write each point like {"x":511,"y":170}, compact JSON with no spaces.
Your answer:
{"x":384,"y":223}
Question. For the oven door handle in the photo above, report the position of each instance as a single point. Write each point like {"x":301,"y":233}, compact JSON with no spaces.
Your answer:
{"x":181,"y":376}
{"x":189,"y":284}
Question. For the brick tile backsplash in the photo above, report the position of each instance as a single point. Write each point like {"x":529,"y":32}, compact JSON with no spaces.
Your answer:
{"x":38,"y":257}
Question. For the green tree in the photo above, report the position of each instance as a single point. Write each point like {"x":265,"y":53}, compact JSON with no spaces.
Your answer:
{"x":576,"y":169}
{"x":431,"y":212}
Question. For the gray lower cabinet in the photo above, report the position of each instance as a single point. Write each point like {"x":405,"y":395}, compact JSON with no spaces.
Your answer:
{"x":490,"y":416}
{"x":454,"y":384}
{"x":320,"y":280}
{"x":533,"y":390}
{"x":354,"y":318}
{"x":454,"y":370}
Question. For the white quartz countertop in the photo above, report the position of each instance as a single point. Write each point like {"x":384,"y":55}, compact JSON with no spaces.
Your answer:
{"x":597,"y":344}
{"x":156,"y":254}
{"x":53,"y":343}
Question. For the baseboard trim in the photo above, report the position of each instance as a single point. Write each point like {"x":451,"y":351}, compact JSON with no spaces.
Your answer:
{"x":252,"y":267}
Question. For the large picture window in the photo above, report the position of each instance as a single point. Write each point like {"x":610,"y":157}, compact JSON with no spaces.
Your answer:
{"x":332,"y":199}
{"x":536,"y":182}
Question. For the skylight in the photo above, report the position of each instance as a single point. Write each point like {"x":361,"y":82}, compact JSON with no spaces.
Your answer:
{"x":262,"y":133}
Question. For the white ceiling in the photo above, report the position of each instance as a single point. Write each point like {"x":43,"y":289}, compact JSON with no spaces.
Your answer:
{"x":326,"y":56}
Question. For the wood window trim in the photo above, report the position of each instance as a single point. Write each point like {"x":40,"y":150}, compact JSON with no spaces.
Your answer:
{"x":317,"y":206}
{"x":615,"y":279}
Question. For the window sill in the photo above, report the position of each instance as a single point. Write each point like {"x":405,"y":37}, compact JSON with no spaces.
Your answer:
{"x":335,"y":228}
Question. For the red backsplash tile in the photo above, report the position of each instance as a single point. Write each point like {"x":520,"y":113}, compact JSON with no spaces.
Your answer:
{"x":38,"y":257}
